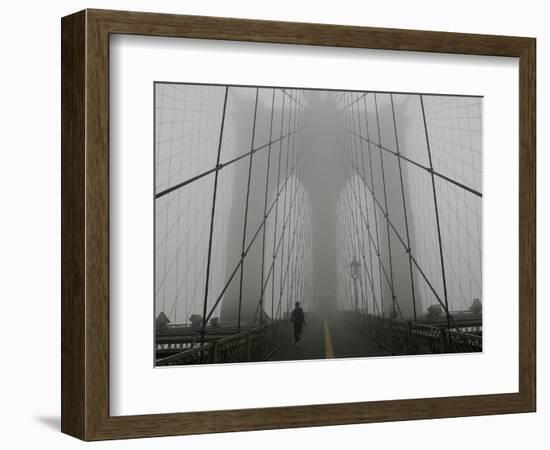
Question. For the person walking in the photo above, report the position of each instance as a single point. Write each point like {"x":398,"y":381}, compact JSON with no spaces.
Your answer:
{"x":298,"y":319}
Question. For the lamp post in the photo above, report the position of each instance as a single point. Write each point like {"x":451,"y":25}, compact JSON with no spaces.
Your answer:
{"x":354,"y":271}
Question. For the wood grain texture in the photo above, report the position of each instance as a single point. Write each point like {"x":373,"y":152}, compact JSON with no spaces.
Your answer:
{"x":527,"y":224}
{"x":85,"y":224}
{"x":73,"y":226}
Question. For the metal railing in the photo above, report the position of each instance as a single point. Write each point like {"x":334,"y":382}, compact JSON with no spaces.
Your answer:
{"x":254,"y":344}
{"x":178,"y":338}
{"x":402,"y":337}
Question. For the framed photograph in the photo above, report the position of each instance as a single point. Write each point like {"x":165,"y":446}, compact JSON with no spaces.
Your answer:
{"x":272,"y":224}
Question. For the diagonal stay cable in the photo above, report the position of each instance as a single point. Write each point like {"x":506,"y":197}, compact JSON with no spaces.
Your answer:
{"x":444,"y":278}
{"x":212,"y":216}
{"x":246,"y":211}
{"x":421,"y":166}
{"x":221,"y":166}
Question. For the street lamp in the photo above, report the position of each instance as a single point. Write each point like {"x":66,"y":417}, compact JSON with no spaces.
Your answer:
{"x":354,"y":272}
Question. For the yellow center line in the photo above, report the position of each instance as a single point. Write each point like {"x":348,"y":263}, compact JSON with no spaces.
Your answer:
{"x":329,"y":352}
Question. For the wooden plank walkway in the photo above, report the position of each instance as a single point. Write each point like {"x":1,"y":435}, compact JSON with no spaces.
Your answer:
{"x":329,"y":338}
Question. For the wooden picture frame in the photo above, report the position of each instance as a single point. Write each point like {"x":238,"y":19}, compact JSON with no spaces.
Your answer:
{"x":85,"y":224}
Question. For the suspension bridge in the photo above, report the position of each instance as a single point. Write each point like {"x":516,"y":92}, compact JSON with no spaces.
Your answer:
{"x":364,"y":207}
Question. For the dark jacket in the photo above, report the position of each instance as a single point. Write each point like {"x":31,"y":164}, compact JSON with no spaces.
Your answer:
{"x":298,"y":316}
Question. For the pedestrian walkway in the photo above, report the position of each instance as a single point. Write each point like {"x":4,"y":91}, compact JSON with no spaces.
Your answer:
{"x":324,"y":338}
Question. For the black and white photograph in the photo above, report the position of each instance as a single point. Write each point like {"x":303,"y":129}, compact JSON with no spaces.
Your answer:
{"x":305,"y":224}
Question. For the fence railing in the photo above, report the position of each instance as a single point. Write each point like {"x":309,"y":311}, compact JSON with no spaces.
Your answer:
{"x":255,"y":344}
{"x":176,"y":339}
{"x":402,"y":337}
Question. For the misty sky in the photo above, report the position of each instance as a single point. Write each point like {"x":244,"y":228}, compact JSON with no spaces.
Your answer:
{"x":307,"y":182}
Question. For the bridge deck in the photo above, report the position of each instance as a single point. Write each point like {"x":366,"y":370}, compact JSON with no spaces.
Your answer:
{"x":329,"y":338}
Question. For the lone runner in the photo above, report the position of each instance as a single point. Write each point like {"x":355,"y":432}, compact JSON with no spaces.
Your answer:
{"x":299,"y":321}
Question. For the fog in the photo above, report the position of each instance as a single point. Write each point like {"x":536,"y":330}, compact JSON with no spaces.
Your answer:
{"x":297,"y":185}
